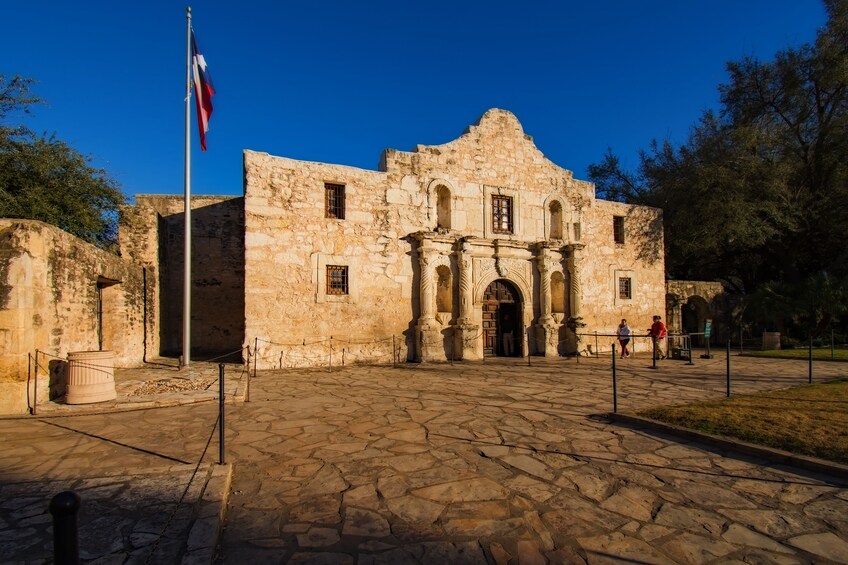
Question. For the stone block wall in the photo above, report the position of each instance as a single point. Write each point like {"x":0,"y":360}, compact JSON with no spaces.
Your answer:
{"x":434,"y":198}
{"x":288,"y":245}
{"x":152,"y":233}
{"x":59,"y":294}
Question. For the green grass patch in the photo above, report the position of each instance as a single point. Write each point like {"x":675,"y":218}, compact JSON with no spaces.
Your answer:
{"x":819,"y":353}
{"x":808,"y":420}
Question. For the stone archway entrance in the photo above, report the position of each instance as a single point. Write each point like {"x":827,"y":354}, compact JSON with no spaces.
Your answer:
{"x":501,"y":320}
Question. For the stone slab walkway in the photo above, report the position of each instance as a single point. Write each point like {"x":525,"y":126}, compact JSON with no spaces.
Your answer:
{"x":493,"y":462}
{"x":499,"y":462}
{"x":151,"y":489}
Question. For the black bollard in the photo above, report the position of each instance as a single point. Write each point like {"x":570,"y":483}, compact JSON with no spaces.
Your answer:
{"x":810,"y":380}
{"x":64,"y":508}
{"x":221,"y":414}
{"x":728,"y":368}
{"x":654,"y":352}
{"x":614,"y":391}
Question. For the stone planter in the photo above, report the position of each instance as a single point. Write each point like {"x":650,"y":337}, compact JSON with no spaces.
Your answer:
{"x":91,"y":377}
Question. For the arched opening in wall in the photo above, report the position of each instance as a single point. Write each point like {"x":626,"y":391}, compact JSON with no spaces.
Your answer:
{"x":557,"y":293}
{"x":694,"y":313}
{"x":444,"y":291}
{"x":502,"y":327}
{"x":555,"y":220}
{"x":443,"y":207}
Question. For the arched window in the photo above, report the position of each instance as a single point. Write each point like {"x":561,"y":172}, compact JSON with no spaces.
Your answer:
{"x":444,"y":289}
{"x":555,"y":220}
{"x":557,"y":293}
{"x":443,"y":207}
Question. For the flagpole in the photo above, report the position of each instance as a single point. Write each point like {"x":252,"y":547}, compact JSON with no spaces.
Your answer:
{"x":187,"y":254}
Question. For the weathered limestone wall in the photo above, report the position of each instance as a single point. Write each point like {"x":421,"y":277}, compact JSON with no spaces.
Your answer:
{"x":433,"y":207}
{"x":289,"y":243}
{"x":152,"y":233}
{"x":639,"y":258}
{"x":49,"y":301}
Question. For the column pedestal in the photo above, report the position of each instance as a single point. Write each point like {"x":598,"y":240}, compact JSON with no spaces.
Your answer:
{"x":428,"y":337}
{"x":547,"y":339}
{"x":469,"y":342}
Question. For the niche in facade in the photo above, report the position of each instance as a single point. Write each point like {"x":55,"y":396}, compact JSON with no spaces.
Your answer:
{"x":555,"y":220}
{"x":444,"y":292}
{"x":443,"y":207}
{"x":557,"y":293}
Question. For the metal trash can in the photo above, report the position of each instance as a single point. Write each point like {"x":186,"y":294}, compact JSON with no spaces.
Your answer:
{"x":91,"y":377}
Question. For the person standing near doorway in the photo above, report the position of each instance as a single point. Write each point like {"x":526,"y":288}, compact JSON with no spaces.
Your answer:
{"x":624,"y":337}
{"x":507,"y":326}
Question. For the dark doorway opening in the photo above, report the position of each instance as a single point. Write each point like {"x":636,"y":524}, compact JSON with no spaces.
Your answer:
{"x":502,"y":329}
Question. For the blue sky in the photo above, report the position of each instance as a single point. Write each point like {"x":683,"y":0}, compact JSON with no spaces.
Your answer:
{"x":338,"y":82}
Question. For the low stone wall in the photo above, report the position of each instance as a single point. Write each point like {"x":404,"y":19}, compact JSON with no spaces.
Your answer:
{"x":59,"y":294}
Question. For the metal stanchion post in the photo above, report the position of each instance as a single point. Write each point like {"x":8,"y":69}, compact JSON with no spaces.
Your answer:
{"x":597,"y":351}
{"x":691,"y":351}
{"x":247,"y":388}
{"x":255,"y":355}
{"x":64,"y":507}
{"x":653,"y":352}
{"x":220,"y":413}
{"x":614,"y":392}
{"x":728,"y":368}
{"x":394,"y":352}
{"x":831,"y":344}
{"x":35,"y":404}
{"x":810,"y":379}
{"x":741,"y":350}
{"x":35,"y":382}
{"x":331,"y":353}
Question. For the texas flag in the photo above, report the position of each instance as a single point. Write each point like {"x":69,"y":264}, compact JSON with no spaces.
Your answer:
{"x":203,"y":90}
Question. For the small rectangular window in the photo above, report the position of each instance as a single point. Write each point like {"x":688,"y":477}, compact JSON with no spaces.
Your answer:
{"x":625,"y":288}
{"x":337,"y":281}
{"x":334,"y":201}
{"x":618,"y":228}
{"x":501,"y":214}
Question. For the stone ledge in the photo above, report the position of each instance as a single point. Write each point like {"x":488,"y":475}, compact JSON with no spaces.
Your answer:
{"x":209,"y":515}
{"x":776,"y":456}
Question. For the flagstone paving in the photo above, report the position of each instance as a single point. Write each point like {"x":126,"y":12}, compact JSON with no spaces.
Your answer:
{"x":499,"y":462}
{"x":493,"y":462}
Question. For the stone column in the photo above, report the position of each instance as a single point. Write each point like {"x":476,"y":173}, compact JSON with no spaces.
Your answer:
{"x":467,"y":338}
{"x":427,"y":330}
{"x":547,"y":330}
{"x":426,"y":291}
{"x":575,"y":297}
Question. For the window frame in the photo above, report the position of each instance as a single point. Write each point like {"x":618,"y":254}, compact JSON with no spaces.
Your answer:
{"x":618,"y":231}
{"x":498,"y":214}
{"x":625,"y":292}
{"x":334,"y":200}
{"x":338,"y":280}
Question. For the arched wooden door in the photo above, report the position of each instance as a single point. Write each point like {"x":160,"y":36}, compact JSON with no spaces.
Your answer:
{"x":501,"y":320}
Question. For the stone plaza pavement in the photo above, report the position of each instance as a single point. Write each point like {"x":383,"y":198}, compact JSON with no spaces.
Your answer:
{"x":493,"y":462}
{"x":498,"y":462}
{"x":150,"y":489}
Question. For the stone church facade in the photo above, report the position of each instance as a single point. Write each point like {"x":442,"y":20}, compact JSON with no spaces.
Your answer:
{"x":480,"y":246}
{"x":477,"y":247}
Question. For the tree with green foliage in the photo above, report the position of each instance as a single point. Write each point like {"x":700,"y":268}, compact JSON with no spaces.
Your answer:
{"x":43,"y":178}
{"x":757,"y":196}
